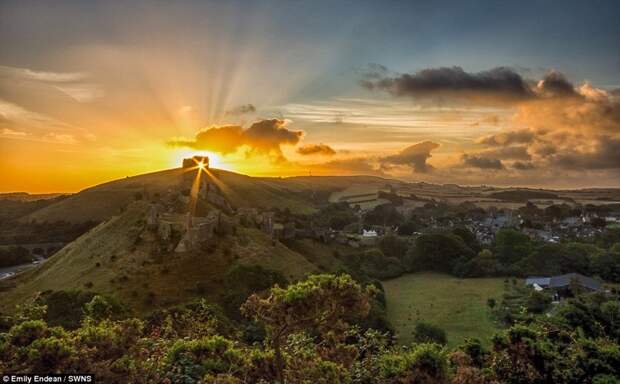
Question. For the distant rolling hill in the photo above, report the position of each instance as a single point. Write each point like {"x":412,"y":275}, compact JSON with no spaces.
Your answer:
{"x":523,"y":195}
{"x":103,"y":201}
{"x":25,"y":196}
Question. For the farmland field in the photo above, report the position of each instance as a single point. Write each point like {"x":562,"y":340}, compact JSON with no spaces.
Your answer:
{"x":459,"y":306}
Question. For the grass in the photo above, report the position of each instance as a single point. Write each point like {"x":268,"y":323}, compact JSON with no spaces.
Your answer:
{"x":459,"y":306}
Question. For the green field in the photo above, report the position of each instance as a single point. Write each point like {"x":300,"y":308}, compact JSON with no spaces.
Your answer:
{"x":456,"y":305}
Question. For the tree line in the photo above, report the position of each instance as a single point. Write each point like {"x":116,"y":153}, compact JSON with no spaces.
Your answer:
{"x":311,"y":335}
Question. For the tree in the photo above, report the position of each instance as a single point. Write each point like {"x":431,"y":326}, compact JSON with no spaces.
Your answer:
{"x":336,"y":216}
{"x":438,"y":252}
{"x":598,"y":222}
{"x":10,"y":256}
{"x":392,"y":246}
{"x":468,"y":237}
{"x":537,"y":302}
{"x":511,"y":246}
{"x":385,"y":214}
{"x":322,"y":303}
{"x":484,"y":264}
{"x":607,"y":266}
{"x":407,"y":228}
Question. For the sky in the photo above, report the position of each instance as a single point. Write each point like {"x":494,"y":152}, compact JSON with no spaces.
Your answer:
{"x":481,"y":92}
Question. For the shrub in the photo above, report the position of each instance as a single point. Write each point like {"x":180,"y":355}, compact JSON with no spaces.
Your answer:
{"x":538,"y":302}
{"x":424,"y":363}
{"x":64,"y":308}
{"x":105,"y":307}
{"x":491,"y":303}
{"x":241,"y":281}
{"x":193,"y":359}
{"x":25,"y":333}
{"x":429,"y":333}
{"x":49,"y":354}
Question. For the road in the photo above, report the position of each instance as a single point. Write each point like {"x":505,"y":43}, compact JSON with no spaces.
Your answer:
{"x":7,"y":272}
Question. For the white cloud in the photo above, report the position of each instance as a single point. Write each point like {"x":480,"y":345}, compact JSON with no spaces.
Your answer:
{"x":46,"y":76}
{"x":82,"y":93}
{"x":70,"y":83}
{"x":32,"y":125}
{"x":12,"y":133}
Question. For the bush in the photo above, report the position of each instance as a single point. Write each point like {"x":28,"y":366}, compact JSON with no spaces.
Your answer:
{"x":25,"y":333}
{"x":429,"y":333}
{"x":385,"y":214}
{"x":105,"y":307}
{"x":193,"y":359}
{"x":10,"y":256}
{"x":65,"y":308}
{"x":393,"y":246}
{"x":242,"y":281}
{"x":538,"y":302}
{"x":49,"y":354}
{"x":374,"y":264}
{"x":425,"y":363}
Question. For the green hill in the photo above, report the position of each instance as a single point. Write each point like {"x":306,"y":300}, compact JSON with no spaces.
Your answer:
{"x":124,"y":257}
{"x":120,"y":257}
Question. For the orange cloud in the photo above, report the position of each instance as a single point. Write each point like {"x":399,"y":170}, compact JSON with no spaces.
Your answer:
{"x":316,"y":149}
{"x":262,"y":137}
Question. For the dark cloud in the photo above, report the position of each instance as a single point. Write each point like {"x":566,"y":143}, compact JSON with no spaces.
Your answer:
{"x":555,"y":84}
{"x":544,"y":150}
{"x":606,"y":155}
{"x":262,"y":137}
{"x":241,"y":110}
{"x":500,"y":82}
{"x":374,"y":71}
{"x":476,"y":161}
{"x":508,"y":138}
{"x":414,"y":156}
{"x":316,"y":149}
{"x":358,"y":165}
{"x":523,"y":166}
{"x":516,"y":152}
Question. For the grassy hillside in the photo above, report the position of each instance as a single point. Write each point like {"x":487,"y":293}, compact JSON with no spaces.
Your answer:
{"x":119,"y":257}
{"x":456,"y":305}
{"x":299,"y":194}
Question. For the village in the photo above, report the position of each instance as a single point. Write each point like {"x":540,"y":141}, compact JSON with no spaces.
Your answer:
{"x":183,"y":231}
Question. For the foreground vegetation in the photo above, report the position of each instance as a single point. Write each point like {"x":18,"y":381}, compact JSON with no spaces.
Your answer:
{"x":458,"y":306}
{"x":308,"y":332}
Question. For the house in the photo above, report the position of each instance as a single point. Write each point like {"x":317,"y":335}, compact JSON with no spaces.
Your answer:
{"x":369,"y":233}
{"x":542,"y":282}
{"x":561,"y":284}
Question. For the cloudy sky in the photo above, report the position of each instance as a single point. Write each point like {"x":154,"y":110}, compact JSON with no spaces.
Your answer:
{"x":480,"y":92}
